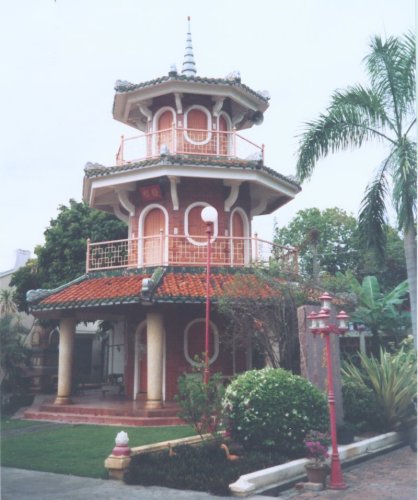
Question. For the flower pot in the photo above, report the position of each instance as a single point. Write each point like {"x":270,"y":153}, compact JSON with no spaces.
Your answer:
{"x":317,"y":473}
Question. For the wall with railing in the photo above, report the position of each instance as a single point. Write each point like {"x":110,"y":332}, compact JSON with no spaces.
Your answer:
{"x":180,"y":250}
{"x":185,"y":141}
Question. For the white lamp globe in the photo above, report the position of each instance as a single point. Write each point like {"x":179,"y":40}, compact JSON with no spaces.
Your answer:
{"x":209,"y":214}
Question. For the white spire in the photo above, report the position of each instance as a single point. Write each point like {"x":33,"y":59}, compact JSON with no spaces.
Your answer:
{"x":189,"y":66}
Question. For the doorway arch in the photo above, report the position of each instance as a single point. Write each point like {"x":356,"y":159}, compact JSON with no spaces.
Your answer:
{"x":153,"y":224}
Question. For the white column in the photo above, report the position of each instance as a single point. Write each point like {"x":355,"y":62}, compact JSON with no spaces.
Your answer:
{"x":65,"y":360}
{"x":155,"y":343}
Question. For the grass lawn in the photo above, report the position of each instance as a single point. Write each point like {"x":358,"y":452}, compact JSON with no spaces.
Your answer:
{"x":78,"y":450}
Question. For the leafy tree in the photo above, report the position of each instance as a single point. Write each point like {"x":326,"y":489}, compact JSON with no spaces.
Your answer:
{"x":14,"y":356}
{"x":389,"y":270}
{"x":385,"y":112}
{"x":63,"y":256}
{"x":325,"y":239}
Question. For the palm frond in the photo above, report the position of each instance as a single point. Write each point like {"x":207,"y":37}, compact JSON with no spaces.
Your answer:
{"x":367,"y":103}
{"x":372,"y":216}
{"x":349,"y":121}
{"x":404,"y":168}
{"x":391,"y":66}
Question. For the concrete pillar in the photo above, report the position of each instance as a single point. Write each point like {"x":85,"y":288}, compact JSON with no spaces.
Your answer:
{"x":65,"y":360}
{"x":155,"y":344}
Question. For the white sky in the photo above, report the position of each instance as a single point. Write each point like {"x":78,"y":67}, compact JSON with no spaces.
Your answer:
{"x":60,"y":60}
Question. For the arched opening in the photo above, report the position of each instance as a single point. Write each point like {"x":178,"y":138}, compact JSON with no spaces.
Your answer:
{"x":224,"y":138}
{"x":194,"y":341}
{"x":240,"y":240}
{"x":196,"y":226}
{"x":153,"y":237}
{"x":198,"y":133}
{"x":165,"y":131}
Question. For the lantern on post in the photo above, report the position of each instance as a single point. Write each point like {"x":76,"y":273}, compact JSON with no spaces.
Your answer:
{"x":320,"y":326}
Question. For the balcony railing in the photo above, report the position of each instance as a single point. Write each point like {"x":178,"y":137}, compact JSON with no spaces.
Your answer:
{"x":184,"y":141}
{"x":176,"y":250}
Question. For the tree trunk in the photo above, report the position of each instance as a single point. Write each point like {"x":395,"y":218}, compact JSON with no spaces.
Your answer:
{"x":411,"y":269}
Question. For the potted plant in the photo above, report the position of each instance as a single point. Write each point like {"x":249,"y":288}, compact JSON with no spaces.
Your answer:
{"x":317,"y":444}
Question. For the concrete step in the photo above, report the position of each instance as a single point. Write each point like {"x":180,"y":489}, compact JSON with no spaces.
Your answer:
{"x":74,"y":418}
{"x":165,"y":412}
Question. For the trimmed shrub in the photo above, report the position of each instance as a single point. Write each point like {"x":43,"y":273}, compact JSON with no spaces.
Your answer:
{"x":360,"y":407}
{"x":272,"y":408}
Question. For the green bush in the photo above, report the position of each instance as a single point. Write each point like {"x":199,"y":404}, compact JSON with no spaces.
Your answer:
{"x":272,"y":408}
{"x":198,"y":468}
{"x":393,"y":380}
{"x":360,"y":407}
{"x":200,"y":403}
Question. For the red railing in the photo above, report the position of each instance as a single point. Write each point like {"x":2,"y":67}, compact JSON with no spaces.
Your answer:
{"x":176,"y":250}
{"x":189,"y":142}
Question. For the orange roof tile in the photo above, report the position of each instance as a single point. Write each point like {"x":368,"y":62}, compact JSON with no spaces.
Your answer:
{"x":93,"y":289}
{"x":194,"y":286}
{"x":173,"y":286}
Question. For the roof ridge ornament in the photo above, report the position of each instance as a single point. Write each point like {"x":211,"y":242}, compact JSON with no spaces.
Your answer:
{"x":189,"y":65}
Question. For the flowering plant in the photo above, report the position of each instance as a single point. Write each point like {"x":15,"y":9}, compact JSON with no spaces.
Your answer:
{"x":317,"y":446}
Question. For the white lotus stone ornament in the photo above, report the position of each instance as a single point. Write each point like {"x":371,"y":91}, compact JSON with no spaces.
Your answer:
{"x":121,"y":448}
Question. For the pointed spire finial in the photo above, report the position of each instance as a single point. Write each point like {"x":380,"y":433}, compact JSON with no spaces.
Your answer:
{"x":189,"y":66}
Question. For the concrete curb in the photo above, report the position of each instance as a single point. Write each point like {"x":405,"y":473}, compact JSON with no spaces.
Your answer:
{"x":279,"y":475}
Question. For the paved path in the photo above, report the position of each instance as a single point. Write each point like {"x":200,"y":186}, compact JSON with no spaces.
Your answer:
{"x":392,"y":476}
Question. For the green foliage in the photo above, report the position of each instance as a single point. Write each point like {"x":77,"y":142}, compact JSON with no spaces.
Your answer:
{"x":393,"y":380}
{"x":380,"y":312}
{"x":385,"y":111}
{"x":272,"y":408}
{"x":198,"y":468}
{"x":330,"y":235}
{"x":200,"y":403}
{"x":63,"y":256}
{"x":14,"y":356}
{"x":360,"y":407}
{"x":337,"y":248}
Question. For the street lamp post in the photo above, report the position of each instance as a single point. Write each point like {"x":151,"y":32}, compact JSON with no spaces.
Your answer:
{"x":320,"y":326}
{"x":209,"y":216}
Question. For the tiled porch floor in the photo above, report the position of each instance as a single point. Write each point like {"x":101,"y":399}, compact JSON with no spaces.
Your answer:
{"x":94,"y":407}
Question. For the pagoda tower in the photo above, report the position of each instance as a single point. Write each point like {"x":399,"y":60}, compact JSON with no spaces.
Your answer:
{"x":188,"y":152}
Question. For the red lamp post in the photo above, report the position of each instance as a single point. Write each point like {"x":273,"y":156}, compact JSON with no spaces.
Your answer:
{"x":320,"y":326}
{"x":209,"y":216}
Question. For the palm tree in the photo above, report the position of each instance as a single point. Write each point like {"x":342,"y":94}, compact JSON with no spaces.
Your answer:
{"x":7,"y":303}
{"x":384,"y":111}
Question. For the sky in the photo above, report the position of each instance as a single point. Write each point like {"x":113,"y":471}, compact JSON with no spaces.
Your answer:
{"x":61,"y":58}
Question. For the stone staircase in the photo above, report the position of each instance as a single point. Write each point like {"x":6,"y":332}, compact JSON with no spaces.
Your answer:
{"x":115,"y":411}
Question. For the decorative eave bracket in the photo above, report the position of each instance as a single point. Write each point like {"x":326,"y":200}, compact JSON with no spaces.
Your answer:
{"x":179,"y":105}
{"x":260,"y":208}
{"x":173,"y":191}
{"x":125,"y":201}
{"x":233,"y":194}
{"x":218,"y":103}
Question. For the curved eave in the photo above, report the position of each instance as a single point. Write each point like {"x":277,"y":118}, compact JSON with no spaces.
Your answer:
{"x":269,"y":190}
{"x":241,"y":95}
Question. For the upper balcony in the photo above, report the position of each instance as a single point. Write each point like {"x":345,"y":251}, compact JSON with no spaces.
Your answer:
{"x":181,"y":250}
{"x":188,"y":141}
